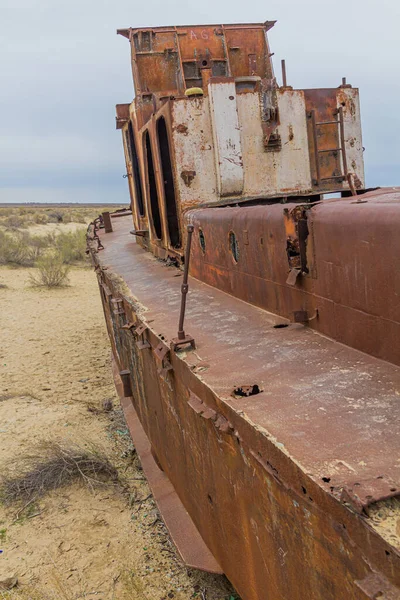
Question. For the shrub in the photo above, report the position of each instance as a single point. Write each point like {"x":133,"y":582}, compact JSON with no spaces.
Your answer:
{"x":51,"y":272}
{"x":18,"y":250}
{"x":15,"y":222}
{"x":55,"y":216}
{"x":40,"y":218}
{"x":71,"y":245}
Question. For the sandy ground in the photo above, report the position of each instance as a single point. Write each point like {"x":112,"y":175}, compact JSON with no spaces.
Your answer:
{"x":76,"y":542}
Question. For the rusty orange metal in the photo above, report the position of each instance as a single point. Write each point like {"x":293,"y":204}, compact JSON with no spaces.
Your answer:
{"x":258,"y":343}
{"x":348,"y":276}
{"x":242,"y":139}
{"x":171,"y":59}
{"x":264,"y":431}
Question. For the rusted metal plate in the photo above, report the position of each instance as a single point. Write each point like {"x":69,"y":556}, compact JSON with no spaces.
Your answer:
{"x":349,"y":275}
{"x":326,"y":137}
{"x":122,"y":115}
{"x":377,"y":587}
{"x":173,"y":58}
{"x":181,"y":528}
{"x":267,"y":504}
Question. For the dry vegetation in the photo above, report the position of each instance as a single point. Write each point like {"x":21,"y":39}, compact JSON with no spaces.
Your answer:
{"x":25,"y":241}
{"x":54,"y":466}
{"x":77,"y":518}
{"x":23,"y":217}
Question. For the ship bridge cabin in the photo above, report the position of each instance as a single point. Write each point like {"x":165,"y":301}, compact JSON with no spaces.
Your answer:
{"x":210,"y":126}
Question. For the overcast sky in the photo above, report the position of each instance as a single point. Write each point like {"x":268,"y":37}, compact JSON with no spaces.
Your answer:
{"x":63,"y":69}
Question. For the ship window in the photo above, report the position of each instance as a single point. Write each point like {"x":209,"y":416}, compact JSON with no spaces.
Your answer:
{"x":133,"y":157}
{"x":219,"y":68}
{"x":202,"y":240}
{"x":151,"y":180}
{"x":234,"y":246}
{"x":191,"y":74}
{"x":169,"y":190}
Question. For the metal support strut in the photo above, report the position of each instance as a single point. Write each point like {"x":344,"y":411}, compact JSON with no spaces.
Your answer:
{"x":182,"y":338}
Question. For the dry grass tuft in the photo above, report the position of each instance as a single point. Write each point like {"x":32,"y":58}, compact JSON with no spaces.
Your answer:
{"x":56,"y":466}
{"x":51,"y":272}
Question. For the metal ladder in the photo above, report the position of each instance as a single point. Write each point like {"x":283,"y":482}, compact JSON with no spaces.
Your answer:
{"x":340,"y":124}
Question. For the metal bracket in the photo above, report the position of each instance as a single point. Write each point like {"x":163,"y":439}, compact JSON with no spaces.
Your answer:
{"x":142,"y":344}
{"x":163,"y":372}
{"x":161,"y":351}
{"x":140,"y":329}
{"x":301,"y":316}
{"x":176,"y":342}
{"x":201,"y":408}
{"x":118,"y":306}
{"x":129,"y":326}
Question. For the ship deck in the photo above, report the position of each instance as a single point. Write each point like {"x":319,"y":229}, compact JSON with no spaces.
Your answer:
{"x":333,"y":409}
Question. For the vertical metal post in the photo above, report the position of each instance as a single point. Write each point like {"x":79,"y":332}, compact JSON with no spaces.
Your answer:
{"x":315,"y":139}
{"x":185,"y":285}
{"x":107,"y":222}
{"x":284,"y":81}
{"x":182,"y":337}
{"x":342,"y":142}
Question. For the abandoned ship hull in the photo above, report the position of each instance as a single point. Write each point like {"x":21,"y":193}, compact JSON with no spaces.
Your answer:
{"x":277,"y":441}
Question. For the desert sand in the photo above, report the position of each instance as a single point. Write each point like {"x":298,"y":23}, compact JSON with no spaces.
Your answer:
{"x":76,"y":542}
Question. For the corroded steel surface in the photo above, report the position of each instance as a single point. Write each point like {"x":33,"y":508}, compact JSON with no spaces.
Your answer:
{"x":181,"y":528}
{"x":283,"y":520}
{"x":238,"y":136}
{"x":171,"y":59}
{"x":349,"y":283}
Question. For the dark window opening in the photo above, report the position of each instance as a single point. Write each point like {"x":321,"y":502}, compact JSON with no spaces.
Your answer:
{"x":151,"y":178}
{"x":234,"y":246}
{"x":219,"y":68}
{"x":133,"y":157}
{"x":296,"y":248}
{"x":169,"y":190}
{"x":202,"y":240}
{"x":192,"y":74}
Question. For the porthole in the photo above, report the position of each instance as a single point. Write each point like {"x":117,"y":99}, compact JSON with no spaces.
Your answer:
{"x":202,"y":240}
{"x":234,"y":246}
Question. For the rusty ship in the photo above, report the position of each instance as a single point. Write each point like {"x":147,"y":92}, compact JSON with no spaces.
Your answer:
{"x":254,"y":320}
